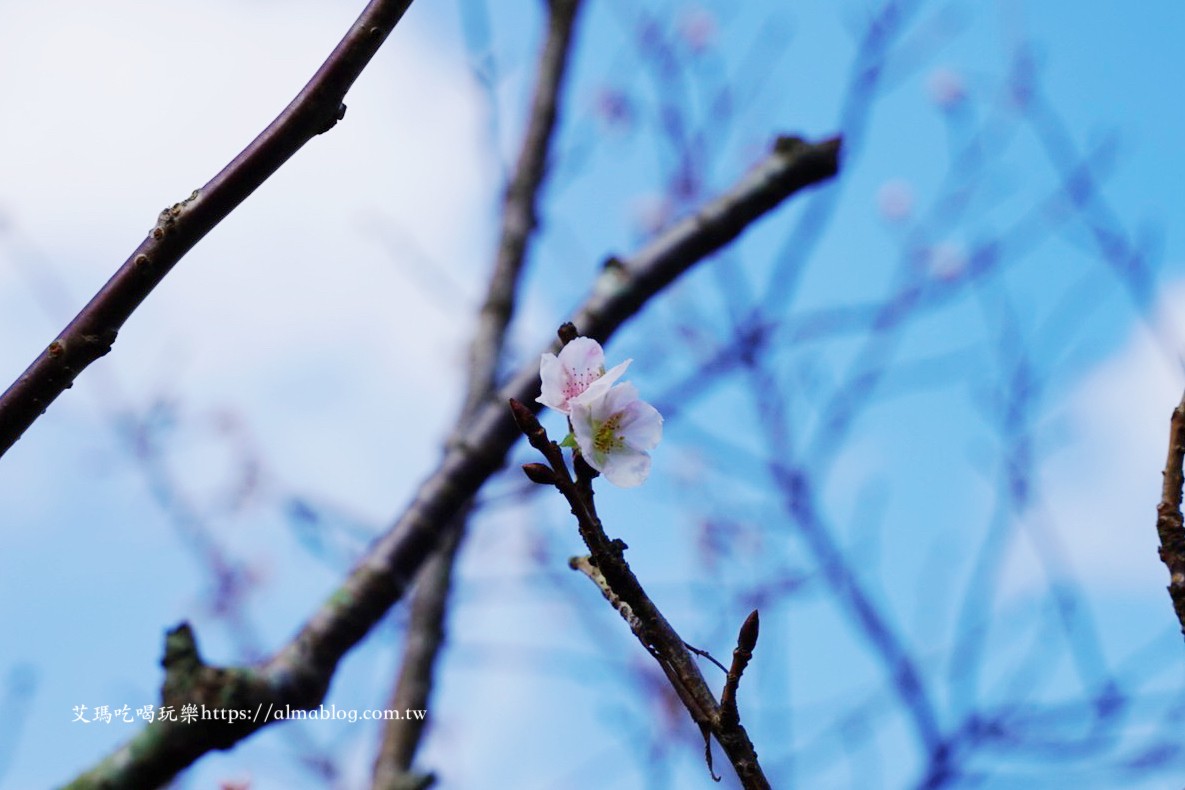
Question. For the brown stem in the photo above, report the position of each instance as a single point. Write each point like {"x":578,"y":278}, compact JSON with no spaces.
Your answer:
{"x":316,"y":109}
{"x":746,"y":641}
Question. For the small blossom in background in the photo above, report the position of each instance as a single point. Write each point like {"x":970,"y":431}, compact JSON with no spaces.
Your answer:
{"x":947,"y":88}
{"x":651,"y":213}
{"x":614,"y":429}
{"x":895,"y":200}
{"x":697,"y":27}
{"x":946,"y":261}
{"x":578,"y":365}
{"x":614,"y":109}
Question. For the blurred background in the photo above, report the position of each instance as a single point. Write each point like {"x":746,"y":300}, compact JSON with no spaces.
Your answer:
{"x":915,"y":417}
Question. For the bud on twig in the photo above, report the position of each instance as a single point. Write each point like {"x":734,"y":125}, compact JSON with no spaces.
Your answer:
{"x":540,"y":473}
{"x":567,"y":332}
{"x":746,"y":641}
{"x":524,"y":418}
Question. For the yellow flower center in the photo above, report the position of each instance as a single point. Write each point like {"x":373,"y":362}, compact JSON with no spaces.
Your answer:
{"x":606,"y":439}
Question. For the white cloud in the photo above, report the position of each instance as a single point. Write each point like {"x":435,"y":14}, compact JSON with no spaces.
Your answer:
{"x":1102,"y":488}
{"x":293,"y":311}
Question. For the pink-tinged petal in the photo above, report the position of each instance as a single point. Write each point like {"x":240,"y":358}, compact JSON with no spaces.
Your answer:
{"x":584,"y":362}
{"x":583,"y":353}
{"x":579,"y":366}
{"x":551,"y":376}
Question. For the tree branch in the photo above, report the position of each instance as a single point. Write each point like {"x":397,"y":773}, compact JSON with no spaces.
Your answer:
{"x":316,"y":109}
{"x":607,"y":567}
{"x":1169,"y":524}
{"x":298,"y":675}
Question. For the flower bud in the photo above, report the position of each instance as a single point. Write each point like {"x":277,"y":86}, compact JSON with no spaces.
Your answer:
{"x":526,"y":420}
{"x":540,"y":473}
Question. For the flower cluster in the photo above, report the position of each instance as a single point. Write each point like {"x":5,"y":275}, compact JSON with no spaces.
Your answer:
{"x":611,"y":426}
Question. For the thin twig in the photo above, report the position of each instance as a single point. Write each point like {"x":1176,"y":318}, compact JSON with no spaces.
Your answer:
{"x":607,"y":567}
{"x":298,"y":675}
{"x":316,"y":109}
{"x":746,"y":641}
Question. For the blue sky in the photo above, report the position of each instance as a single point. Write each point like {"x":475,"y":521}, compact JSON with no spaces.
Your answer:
{"x":302,"y":339}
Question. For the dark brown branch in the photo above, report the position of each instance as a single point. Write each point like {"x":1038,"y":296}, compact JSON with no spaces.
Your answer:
{"x":607,"y":567}
{"x":316,"y":109}
{"x":299,"y":674}
{"x":426,"y":624}
{"x":1169,"y":524}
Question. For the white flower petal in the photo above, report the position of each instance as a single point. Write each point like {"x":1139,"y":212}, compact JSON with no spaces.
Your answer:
{"x":642,"y":426}
{"x":551,"y":375}
{"x":626,"y":468}
{"x":582,"y":426}
{"x":616,"y":372}
{"x":583,"y":354}
{"x":613,"y":430}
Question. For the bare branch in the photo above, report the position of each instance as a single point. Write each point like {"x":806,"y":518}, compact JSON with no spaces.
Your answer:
{"x":316,"y":109}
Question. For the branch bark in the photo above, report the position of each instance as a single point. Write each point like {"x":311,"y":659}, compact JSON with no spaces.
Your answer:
{"x":298,"y":675}
{"x":315,"y":110}
{"x":1169,"y":526}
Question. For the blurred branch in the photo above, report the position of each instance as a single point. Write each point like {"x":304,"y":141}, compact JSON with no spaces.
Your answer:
{"x":1168,"y":513}
{"x":519,"y":213}
{"x":426,"y":627}
{"x":316,"y":109}
{"x":298,"y":675}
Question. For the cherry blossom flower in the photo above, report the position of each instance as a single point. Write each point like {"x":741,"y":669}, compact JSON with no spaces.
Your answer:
{"x":614,"y":429}
{"x":580,"y":363}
